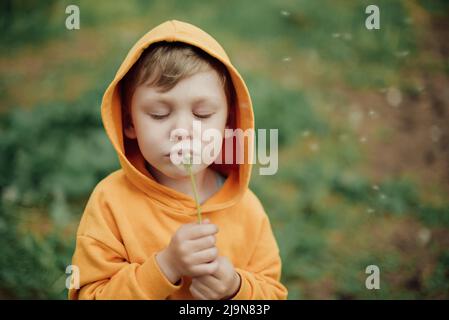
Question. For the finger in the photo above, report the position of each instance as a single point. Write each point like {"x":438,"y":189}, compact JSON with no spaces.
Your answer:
{"x":204,"y":290}
{"x":202,"y":243}
{"x":209,"y":281}
{"x":223,"y":265}
{"x":204,"y":269}
{"x":205,"y":256}
{"x":196,"y":293}
{"x":205,"y":221}
{"x":202,"y":230}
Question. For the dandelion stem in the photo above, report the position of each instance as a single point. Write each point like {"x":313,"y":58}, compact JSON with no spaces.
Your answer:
{"x":188,"y":166}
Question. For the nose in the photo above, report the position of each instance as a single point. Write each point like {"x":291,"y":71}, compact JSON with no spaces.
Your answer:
{"x":182,"y":129}
{"x":179,"y":134}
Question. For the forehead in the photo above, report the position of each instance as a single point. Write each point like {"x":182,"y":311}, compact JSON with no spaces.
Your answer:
{"x":204,"y":86}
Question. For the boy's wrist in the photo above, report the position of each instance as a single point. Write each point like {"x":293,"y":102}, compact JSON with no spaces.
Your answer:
{"x":166,"y":266}
{"x":236,"y":286}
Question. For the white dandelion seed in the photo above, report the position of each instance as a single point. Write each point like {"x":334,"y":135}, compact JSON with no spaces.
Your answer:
{"x":314,"y":147}
{"x":424,"y":236}
{"x":435,"y":133}
{"x":347,"y":36}
{"x":372,"y":114}
{"x":394,"y":97}
{"x":402,"y":54}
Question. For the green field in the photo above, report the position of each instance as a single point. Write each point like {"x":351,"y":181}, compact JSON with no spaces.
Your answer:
{"x":363,"y":136}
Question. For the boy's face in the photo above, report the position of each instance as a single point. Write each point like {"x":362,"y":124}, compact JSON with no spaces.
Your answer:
{"x":157,"y":118}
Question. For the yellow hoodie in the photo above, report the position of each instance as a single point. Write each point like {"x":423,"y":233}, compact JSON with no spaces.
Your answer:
{"x":129,"y":216}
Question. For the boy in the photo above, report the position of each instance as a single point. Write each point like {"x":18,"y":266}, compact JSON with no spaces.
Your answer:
{"x":138,"y":237}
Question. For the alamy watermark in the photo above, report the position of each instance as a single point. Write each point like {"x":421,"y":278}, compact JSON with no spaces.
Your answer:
{"x":233,"y":144}
{"x":373,"y":280}
{"x":72,"y":22}
{"x":373,"y":20}
{"x":73,"y":280}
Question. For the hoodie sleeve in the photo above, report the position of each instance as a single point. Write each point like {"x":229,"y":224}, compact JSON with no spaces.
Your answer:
{"x":260,"y":280}
{"x":104,"y":269}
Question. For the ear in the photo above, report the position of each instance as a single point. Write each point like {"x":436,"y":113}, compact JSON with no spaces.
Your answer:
{"x":130,"y":131}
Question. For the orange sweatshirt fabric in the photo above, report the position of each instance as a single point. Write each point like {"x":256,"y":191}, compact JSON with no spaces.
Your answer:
{"x":129,"y":216}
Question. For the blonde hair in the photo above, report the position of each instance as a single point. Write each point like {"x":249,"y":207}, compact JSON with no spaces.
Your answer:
{"x":163,"y":64}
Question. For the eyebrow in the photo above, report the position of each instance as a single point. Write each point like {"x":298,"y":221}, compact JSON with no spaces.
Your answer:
{"x":158,"y":100}
{"x":208,"y":99}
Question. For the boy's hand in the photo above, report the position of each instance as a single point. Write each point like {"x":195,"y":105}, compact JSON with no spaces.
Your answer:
{"x":222,"y":284}
{"x":191,"y":252}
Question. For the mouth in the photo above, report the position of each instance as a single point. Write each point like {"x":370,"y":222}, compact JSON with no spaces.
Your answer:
{"x":180,"y":153}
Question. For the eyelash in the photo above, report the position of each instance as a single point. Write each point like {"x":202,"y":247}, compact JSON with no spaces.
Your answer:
{"x":159,"y":117}
{"x":205,"y":116}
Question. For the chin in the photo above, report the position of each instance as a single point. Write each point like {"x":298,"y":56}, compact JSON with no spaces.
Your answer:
{"x":175,"y":172}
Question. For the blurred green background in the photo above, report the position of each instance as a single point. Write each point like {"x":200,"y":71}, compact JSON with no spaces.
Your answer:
{"x":362,"y":118}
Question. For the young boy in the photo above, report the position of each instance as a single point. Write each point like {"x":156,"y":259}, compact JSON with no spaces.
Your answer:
{"x":139,"y":237}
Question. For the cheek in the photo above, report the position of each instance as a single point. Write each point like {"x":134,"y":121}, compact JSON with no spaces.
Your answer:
{"x":213,"y":141}
{"x":218,"y":123}
{"x":150,"y":132}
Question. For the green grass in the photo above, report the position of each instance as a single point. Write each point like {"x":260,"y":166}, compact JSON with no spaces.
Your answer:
{"x":330,"y":219}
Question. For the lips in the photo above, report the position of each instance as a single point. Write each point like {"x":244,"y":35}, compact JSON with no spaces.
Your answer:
{"x":180,"y":152}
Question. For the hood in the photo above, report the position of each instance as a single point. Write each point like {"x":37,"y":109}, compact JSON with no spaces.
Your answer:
{"x":130,"y":157}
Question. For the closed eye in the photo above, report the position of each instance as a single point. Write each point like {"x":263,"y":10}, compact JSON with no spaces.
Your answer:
{"x":163,"y":116}
{"x":158,"y":116}
{"x":203,"y":116}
